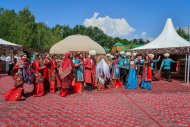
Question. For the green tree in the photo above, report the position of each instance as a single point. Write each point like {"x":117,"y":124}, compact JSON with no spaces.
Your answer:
{"x":182,"y":33}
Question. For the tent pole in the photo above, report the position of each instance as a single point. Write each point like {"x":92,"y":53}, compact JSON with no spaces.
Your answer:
{"x":156,"y":63}
{"x":188,"y":69}
{"x":185,"y":68}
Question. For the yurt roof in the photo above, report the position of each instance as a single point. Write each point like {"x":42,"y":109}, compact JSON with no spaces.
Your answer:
{"x":76,"y":43}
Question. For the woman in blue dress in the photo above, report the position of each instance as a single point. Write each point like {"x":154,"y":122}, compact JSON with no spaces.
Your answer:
{"x":116,"y":72}
{"x":132,"y":80}
{"x":79,"y":78}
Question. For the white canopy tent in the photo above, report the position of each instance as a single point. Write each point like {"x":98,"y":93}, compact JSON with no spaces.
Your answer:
{"x":6,"y":47}
{"x":169,"y":41}
{"x":9,"y":45}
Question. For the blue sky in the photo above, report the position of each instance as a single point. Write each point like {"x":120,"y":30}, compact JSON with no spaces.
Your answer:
{"x":144,"y":17}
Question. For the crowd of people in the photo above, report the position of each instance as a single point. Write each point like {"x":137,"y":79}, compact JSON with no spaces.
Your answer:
{"x":65,"y":75}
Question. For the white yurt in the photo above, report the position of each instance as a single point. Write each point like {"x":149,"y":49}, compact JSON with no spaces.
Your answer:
{"x":76,"y":43}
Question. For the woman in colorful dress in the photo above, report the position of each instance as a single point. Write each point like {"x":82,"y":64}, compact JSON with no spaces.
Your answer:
{"x":17,"y":92}
{"x":147,"y":73}
{"x":59,"y":67}
{"x":66,"y":75}
{"x":25,"y":69}
{"x":38,"y":80}
{"x":79,"y":73}
{"x":132,"y":80}
{"x":116,"y":72}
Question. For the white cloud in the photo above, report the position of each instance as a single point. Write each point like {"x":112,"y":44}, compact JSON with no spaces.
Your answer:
{"x":117,"y":27}
{"x":143,"y":35}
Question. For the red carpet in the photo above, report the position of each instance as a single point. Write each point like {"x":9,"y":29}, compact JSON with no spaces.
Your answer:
{"x":168,"y":105}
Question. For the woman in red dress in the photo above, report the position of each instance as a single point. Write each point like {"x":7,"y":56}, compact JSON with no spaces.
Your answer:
{"x":47,"y":64}
{"x":17,"y":92}
{"x":66,"y":75}
{"x":52,"y":76}
{"x":38,"y":83}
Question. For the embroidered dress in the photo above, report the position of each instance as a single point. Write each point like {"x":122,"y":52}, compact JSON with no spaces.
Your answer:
{"x":147,"y":75}
{"x":116,"y":74}
{"x":132,"y":77}
{"x":79,"y":75}
{"x":16,"y":93}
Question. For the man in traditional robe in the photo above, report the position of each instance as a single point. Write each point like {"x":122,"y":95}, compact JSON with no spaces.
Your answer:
{"x":166,"y":65}
{"x":90,"y":70}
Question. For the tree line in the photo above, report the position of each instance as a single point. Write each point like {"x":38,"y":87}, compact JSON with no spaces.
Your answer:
{"x":22,"y":28}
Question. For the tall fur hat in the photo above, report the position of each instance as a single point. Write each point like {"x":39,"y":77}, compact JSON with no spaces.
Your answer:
{"x":166,"y":54}
{"x":134,"y":54}
{"x":92,"y":52}
{"x":122,"y":53}
{"x":128,"y":53}
{"x":151,"y":55}
{"x":108,"y":55}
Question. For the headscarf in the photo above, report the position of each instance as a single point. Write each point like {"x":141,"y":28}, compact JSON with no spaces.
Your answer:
{"x":102,"y":67}
{"x":66,"y":66}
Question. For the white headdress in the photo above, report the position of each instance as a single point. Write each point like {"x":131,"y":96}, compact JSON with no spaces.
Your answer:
{"x":112,"y":56}
{"x":102,"y":66}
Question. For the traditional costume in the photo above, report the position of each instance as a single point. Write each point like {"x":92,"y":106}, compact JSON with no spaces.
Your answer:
{"x":102,"y":73}
{"x":38,"y":81}
{"x":79,"y":74}
{"x":26,"y":70}
{"x":124,"y":66}
{"x":66,"y":75}
{"x":116,"y":72}
{"x":154,"y":61}
{"x":52,"y":75}
{"x":132,"y":81}
{"x":46,"y":71}
{"x":17,"y":92}
{"x":90,"y":70}
{"x":147,"y":74}
{"x":166,"y":65}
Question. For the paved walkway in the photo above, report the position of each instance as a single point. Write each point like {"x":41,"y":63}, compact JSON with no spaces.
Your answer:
{"x":168,"y":105}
